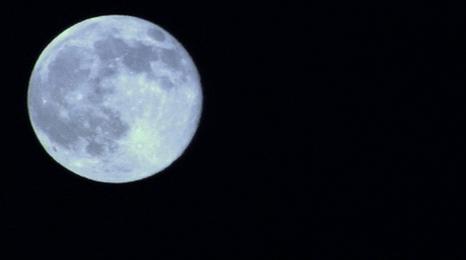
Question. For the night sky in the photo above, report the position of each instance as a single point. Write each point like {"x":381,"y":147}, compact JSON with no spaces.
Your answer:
{"x":329,"y":131}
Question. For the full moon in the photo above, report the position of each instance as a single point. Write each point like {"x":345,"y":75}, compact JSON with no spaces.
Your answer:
{"x":114,"y":99}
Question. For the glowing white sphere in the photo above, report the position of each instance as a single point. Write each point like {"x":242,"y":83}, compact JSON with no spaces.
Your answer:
{"x":115,"y":99}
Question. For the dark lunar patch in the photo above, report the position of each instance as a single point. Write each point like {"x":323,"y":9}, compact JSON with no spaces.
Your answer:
{"x":112,"y":128}
{"x":156,"y":34}
{"x":171,"y":57}
{"x":138,"y":58}
{"x":113,"y":124}
{"x":97,"y":91}
{"x":65,"y":71}
{"x":106,"y":71}
{"x":110,"y":48}
{"x":94,"y":148}
{"x":82,"y":123}
{"x":46,"y":118}
{"x":166,"y":83}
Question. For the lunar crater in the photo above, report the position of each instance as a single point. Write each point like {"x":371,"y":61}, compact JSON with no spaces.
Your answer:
{"x":156,"y":34}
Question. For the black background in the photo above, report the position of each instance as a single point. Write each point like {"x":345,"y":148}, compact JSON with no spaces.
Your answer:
{"x":329,"y":131}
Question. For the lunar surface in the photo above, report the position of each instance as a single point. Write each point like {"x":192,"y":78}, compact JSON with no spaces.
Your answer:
{"x":115,"y":99}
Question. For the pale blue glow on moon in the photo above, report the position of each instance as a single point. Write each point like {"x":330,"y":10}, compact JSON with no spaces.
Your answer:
{"x":115,"y":99}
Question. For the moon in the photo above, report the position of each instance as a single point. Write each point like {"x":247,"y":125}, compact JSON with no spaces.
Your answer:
{"x":115,"y":99}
